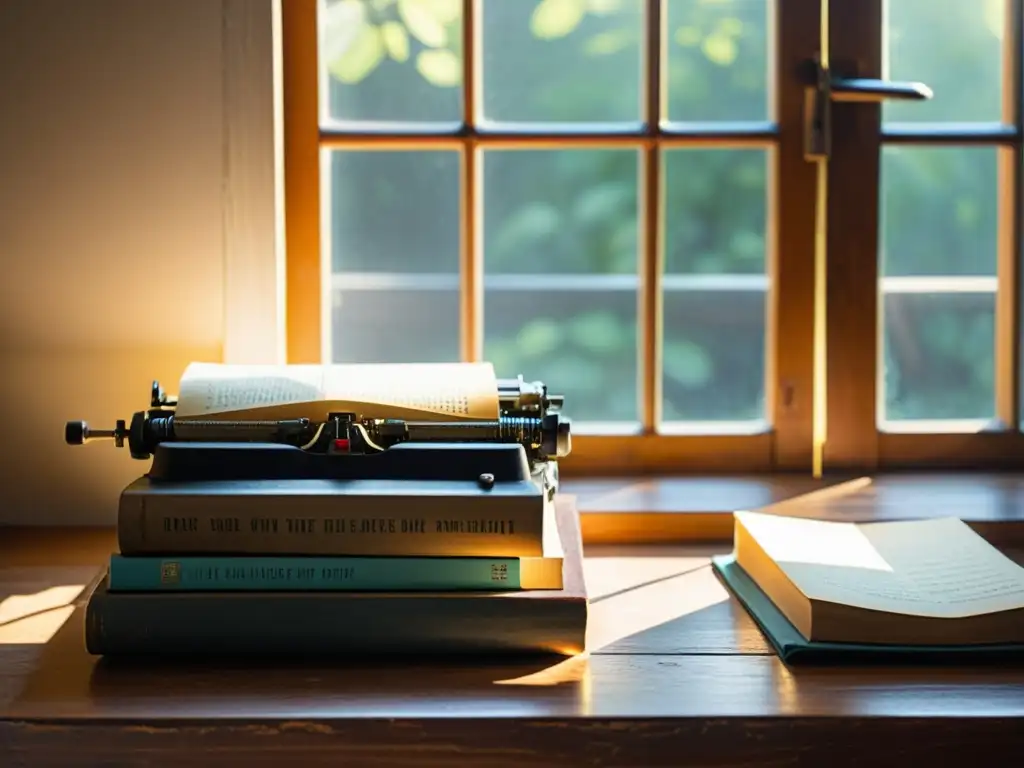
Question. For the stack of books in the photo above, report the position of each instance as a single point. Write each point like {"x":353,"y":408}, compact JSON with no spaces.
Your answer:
{"x":905,"y":591}
{"x":229,"y":581}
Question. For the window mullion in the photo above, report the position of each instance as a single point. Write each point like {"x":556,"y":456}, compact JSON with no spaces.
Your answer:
{"x":471,"y":296}
{"x":471,"y":276}
{"x":304,"y":267}
{"x":854,"y":319}
{"x":650,"y":262}
{"x":789,"y":385}
{"x":1008,"y":317}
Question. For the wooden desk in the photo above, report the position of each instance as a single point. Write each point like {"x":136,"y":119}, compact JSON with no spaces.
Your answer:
{"x":678,"y":675}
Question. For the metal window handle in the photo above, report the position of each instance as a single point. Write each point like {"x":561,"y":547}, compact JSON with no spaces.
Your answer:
{"x":864,"y":89}
{"x":823,"y":88}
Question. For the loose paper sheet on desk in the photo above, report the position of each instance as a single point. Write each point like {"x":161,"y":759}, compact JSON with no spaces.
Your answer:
{"x":413,"y":391}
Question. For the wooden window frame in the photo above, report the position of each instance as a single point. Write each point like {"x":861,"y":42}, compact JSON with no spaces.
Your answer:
{"x":855,"y":439}
{"x":785,"y":444}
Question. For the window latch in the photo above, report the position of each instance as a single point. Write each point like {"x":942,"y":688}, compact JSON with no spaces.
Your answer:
{"x":822,"y":88}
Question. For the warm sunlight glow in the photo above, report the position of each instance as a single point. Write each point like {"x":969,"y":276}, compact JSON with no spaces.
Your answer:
{"x":819,"y":419}
{"x":631,"y":612}
{"x":609,"y":576}
{"x":939,"y":426}
{"x":573,"y":670}
{"x":19,"y":606}
{"x":37,"y":629}
{"x":815,"y":542}
{"x":32,"y":619}
{"x":633,"y":603}
{"x":819,"y":401}
{"x":831,"y":493}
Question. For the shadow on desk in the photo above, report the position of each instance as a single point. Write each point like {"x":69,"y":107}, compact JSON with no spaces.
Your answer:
{"x":676,"y":678}
{"x":70,"y":683}
{"x":602,"y":710}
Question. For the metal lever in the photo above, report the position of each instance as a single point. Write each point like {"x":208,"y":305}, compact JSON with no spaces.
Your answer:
{"x":866,"y":89}
{"x":824,"y":88}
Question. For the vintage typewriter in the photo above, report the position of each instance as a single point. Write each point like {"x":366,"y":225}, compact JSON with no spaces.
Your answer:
{"x":513,"y":456}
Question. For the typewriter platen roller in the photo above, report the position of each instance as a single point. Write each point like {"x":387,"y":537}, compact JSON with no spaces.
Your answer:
{"x":528,"y":416}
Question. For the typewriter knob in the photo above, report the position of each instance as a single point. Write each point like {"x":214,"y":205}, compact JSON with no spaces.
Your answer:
{"x":556,"y":440}
{"x":75,"y":432}
{"x":79,"y":433}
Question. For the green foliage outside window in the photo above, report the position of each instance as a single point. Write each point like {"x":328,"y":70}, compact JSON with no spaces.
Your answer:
{"x":575,"y":211}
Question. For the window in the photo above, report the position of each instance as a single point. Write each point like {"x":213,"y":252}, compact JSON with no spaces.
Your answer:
{"x":613,"y":196}
{"x":924,"y":239}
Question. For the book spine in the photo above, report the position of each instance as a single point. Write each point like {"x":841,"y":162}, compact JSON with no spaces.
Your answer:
{"x":257,"y":524}
{"x":193,"y":574}
{"x":335,"y":625}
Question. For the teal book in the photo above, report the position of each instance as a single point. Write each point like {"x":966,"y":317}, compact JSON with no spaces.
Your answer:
{"x":793,"y":648}
{"x":331,"y":574}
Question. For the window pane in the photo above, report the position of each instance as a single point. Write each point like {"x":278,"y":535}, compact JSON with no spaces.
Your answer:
{"x":563,"y":211}
{"x":391,"y":61}
{"x":394,"y":211}
{"x":714,"y":362}
{"x":581,"y":343}
{"x":939,"y":356}
{"x":562,"y":61}
{"x":393,"y":235}
{"x":953,"y":46}
{"x":938,"y":251}
{"x":715,"y":283}
{"x":715,"y":211}
{"x":718,"y":67}
{"x":938,"y":211}
{"x":395,"y":326}
{"x":560,"y":259}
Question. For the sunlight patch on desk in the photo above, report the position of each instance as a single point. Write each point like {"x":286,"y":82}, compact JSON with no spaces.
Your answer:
{"x":33,"y":619}
{"x":632,"y":611}
{"x":572,"y":670}
{"x":616,"y":498}
{"x":638,"y":610}
{"x":607,"y":576}
{"x":17,"y":607}
{"x":816,"y":497}
{"x":37,"y":629}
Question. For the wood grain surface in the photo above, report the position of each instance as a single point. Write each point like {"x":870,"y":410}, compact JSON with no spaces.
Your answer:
{"x":674,"y":509}
{"x":676,"y":674}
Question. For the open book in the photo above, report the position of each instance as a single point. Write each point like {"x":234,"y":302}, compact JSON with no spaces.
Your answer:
{"x":413,"y":392}
{"x":916,"y":583}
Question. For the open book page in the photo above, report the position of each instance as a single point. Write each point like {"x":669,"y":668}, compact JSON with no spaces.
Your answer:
{"x":451,"y":391}
{"x":415,"y":391}
{"x":935,"y":568}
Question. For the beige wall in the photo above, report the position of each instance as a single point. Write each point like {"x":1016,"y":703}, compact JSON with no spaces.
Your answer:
{"x":111,"y":232}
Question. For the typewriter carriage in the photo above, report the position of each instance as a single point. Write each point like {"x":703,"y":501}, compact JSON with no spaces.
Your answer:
{"x":528,"y":416}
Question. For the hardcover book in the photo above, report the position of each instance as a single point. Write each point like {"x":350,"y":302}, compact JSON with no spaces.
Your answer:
{"x":260,"y":517}
{"x":226,"y":573}
{"x":931,"y":587}
{"x":322,"y":623}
